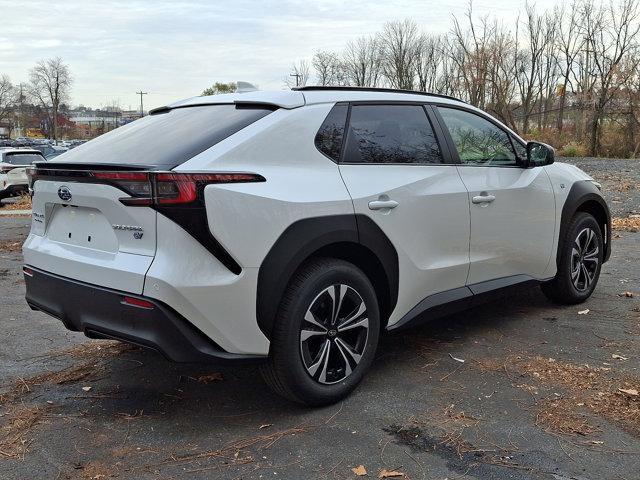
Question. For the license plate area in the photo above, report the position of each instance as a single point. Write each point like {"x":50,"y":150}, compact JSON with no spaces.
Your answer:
{"x":82,"y":227}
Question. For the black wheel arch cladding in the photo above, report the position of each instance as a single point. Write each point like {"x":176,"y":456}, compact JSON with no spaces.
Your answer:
{"x":327,"y":236}
{"x":584,"y":196}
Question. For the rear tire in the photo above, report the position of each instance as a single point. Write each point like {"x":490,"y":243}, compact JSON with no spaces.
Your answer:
{"x":325,"y":334}
{"x":581,"y":256}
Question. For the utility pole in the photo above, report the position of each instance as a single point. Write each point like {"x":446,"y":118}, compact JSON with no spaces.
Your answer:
{"x":297,"y":75}
{"x":141,"y":93}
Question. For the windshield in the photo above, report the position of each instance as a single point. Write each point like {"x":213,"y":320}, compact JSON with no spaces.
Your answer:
{"x":168,"y":138}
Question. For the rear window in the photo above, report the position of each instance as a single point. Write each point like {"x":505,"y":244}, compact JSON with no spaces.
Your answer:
{"x":22,"y":158}
{"x":329,"y":137}
{"x":168,"y":138}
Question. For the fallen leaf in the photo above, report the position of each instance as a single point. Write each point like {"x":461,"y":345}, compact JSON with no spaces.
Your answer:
{"x":583,"y":312}
{"x":626,"y":294}
{"x":359,"y":470}
{"x":629,"y":391}
{"x":86,"y":389}
{"x":266,"y":425}
{"x":618,"y":357}
{"x":384,"y":473}
{"x":210,"y":377}
{"x":457,"y":359}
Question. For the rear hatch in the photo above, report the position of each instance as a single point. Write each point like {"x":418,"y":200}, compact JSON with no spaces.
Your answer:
{"x":82,"y":230}
{"x":95,"y":207}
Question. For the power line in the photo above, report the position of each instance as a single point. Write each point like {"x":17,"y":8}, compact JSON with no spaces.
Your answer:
{"x":141,"y":93}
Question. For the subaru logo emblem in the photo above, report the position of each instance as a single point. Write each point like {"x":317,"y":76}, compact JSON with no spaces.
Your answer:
{"x":64,"y":193}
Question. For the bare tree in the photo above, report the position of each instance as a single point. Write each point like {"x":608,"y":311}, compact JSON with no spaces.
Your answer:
{"x":501,"y":79}
{"x":569,"y":42}
{"x":547,"y":72}
{"x":611,"y":33}
{"x":300,"y":75}
{"x":528,"y":61}
{"x":329,"y":68}
{"x":50,"y":85}
{"x":428,"y":62}
{"x":363,"y":62}
{"x":471,"y":54}
{"x":400,"y":43}
{"x":7,"y":96}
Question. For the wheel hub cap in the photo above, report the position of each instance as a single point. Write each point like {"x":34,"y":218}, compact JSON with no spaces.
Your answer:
{"x":333,"y":334}
{"x":584,"y":259}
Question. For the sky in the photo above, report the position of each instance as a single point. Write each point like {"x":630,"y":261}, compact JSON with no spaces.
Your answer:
{"x":175,"y":49}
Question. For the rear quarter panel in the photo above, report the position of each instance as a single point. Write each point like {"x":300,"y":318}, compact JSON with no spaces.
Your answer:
{"x":301,"y":182}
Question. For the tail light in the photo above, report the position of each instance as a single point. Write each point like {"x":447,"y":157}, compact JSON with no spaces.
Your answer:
{"x":176,"y":188}
{"x":147,"y":188}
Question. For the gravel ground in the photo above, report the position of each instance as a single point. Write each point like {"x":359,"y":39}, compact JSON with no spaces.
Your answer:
{"x":620,"y":179}
{"x":537,"y":396}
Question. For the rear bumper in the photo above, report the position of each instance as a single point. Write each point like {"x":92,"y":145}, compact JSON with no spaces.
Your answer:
{"x":100,"y":313}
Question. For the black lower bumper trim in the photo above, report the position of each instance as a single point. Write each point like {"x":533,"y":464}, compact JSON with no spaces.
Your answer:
{"x":100,"y":313}
{"x":14,"y":190}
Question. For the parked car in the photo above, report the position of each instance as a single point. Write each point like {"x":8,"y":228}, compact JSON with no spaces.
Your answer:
{"x":22,"y":142}
{"x":299,"y":226}
{"x":50,"y":151}
{"x":13,"y":163}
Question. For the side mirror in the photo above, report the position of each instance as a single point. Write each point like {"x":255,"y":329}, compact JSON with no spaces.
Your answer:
{"x":539,"y":154}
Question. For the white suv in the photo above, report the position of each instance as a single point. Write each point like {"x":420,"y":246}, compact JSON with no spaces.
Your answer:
{"x":292,"y":228}
{"x":13,"y":175}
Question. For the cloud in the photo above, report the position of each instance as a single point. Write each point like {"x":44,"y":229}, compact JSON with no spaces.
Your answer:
{"x":175,"y":49}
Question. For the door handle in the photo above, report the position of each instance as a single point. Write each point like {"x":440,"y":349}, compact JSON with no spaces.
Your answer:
{"x":382,"y":204}
{"x":483,"y":198}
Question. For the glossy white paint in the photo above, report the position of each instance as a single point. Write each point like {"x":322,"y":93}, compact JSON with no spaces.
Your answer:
{"x":248,"y":218}
{"x":429,"y":227}
{"x":60,"y":230}
{"x":562,"y":176}
{"x":189,"y":279}
{"x":514,"y":233}
{"x":16,"y":177}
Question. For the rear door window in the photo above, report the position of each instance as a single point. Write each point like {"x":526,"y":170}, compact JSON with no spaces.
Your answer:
{"x":167,"y":138}
{"x":391,"y":134}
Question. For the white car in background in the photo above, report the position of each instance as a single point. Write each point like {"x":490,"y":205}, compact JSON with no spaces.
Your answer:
{"x":293,"y":228}
{"x":13,"y":176}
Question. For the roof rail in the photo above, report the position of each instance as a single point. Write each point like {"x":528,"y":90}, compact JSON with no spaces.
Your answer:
{"x":374,"y":89}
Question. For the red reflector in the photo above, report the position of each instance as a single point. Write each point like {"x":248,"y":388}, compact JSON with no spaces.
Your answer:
{"x":27,"y":271}
{"x":137,"y":302}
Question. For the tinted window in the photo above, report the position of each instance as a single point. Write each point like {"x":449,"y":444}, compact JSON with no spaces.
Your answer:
{"x":521,"y":150}
{"x":329,"y":137}
{"x":167,"y":138}
{"x":478,"y":141}
{"x":391,"y":134}
{"x":22,"y":158}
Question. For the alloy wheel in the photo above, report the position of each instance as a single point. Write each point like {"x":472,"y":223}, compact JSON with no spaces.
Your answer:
{"x":334,"y":333}
{"x":584,"y":259}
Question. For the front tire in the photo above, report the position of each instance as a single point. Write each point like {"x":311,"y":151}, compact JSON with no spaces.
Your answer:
{"x":581,"y":258}
{"x":325,"y":335}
